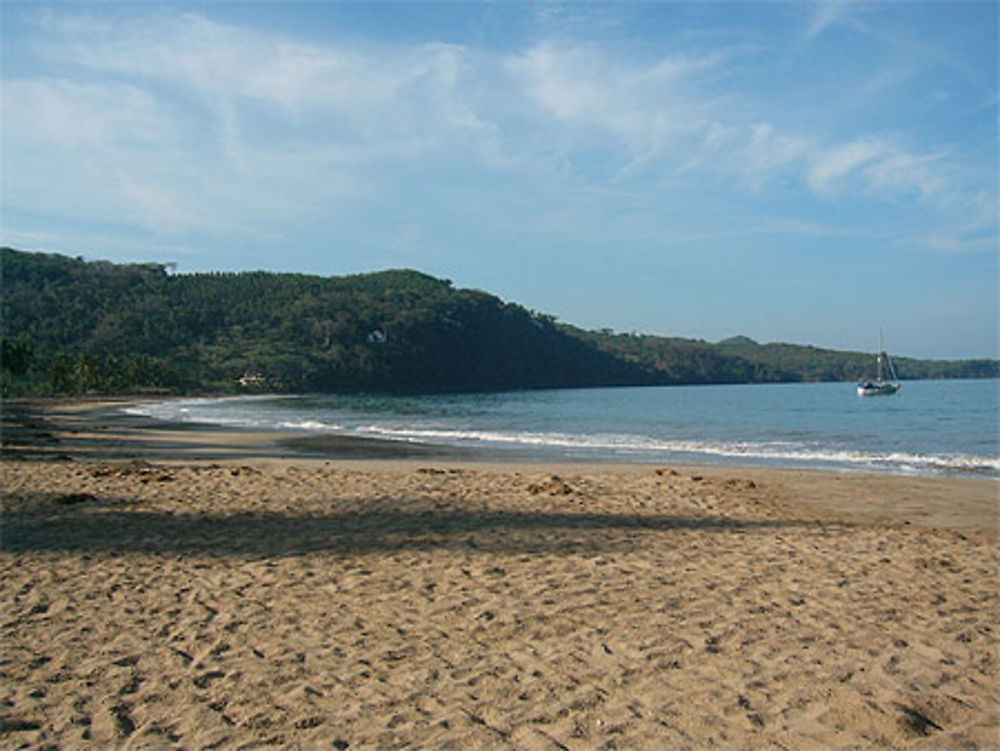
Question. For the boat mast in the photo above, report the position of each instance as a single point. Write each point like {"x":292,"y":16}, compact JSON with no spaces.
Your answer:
{"x":879,"y":358}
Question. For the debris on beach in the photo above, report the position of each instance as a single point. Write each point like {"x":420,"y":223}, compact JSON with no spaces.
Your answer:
{"x":144,"y":470}
{"x":554,"y":485}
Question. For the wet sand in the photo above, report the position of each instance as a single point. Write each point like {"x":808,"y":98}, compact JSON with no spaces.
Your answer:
{"x":177,"y":587}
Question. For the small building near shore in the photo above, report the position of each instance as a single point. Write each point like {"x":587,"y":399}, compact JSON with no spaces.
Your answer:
{"x":252,"y":380}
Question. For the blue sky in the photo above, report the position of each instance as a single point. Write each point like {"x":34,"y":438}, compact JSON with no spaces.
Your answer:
{"x":792,"y":171}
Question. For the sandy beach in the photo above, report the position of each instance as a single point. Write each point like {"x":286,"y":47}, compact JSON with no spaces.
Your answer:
{"x":169,"y":586}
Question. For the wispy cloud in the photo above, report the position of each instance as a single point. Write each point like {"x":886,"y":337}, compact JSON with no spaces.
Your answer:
{"x":647,"y":107}
{"x":770,"y":152}
{"x":901,"y":172}
{"x":670,"y":112}
{"x":179,"y":122}
{"x":826,"y":14}
{"x":841,"y":161}
{"x":73,"y":115}
{"x":374,"y":94}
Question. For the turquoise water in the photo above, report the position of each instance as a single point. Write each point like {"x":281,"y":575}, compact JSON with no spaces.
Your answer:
{"x":930,"y":427}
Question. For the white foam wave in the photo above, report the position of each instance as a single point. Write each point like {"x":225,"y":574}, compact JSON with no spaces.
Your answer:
{"x":315,"y":425}
{"x":227,"y":411}
{"x":223,"y":411}
{"x":641,"y":445}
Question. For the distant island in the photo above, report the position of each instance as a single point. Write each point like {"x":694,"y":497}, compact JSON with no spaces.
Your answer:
{"x":72,"y":326}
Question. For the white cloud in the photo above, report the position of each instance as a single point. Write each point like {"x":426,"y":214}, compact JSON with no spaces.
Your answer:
{"x":841,"y":160}
{"x":975,"y":230}
{"x":647,"y":107}
{"x":960,"y":243}
{"x":182,"y":122}
{"x":562,"y":83}
{"x":80,"y":116}
{"x":377,"y":90}
{"x":92,"y":149}
{"x":668,"y":112}
{"x":899,"y":173}
{"x":770,"y":152}
{"x":304,"y":90}
{"x":826,"y":14}
{"x":880,"y":167}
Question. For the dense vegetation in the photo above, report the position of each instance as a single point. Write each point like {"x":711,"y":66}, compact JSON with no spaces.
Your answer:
{"x":71,"y":326}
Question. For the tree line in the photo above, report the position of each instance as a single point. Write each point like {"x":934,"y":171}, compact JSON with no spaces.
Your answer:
{"x":73,"y":326}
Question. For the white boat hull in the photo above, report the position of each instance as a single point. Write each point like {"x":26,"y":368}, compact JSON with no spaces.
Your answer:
{"x":883,"y":388}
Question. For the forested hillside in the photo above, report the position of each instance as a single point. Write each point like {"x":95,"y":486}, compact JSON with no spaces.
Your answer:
{"x":73,"y":326}
{"x":102,"y":326}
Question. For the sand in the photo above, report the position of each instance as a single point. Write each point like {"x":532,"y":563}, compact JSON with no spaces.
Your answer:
{"x":219,"y":592}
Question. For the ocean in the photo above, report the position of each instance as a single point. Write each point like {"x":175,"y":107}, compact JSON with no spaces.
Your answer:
{"x":928,"y":428}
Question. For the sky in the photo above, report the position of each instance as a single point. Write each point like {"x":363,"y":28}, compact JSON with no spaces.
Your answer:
{"x":789,"y":171}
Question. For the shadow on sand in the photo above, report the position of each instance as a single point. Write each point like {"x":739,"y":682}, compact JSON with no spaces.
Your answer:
{"x":106,"y":526}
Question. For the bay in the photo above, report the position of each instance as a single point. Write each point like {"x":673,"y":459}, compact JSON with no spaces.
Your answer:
{"x":929,"y":427}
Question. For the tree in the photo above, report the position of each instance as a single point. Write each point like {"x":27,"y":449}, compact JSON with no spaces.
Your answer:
{"x":16,"y":356}
{"x":61,"y":373}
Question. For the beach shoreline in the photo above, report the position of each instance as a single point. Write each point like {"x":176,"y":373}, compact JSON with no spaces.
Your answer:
{"x":97,"y":429}
{"x":788,"y":426}
{"x":178,"y":585}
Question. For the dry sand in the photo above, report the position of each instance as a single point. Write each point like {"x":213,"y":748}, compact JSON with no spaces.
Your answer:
{"x":261,"y":602}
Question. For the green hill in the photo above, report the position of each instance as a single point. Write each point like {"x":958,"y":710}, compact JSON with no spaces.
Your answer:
{"x":73,"y":326}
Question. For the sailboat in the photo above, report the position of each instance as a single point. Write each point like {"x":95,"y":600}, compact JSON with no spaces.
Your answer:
{"x":886,"y":382}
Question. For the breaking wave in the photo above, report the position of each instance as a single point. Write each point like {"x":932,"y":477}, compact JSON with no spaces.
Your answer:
{"x":467,"y":424}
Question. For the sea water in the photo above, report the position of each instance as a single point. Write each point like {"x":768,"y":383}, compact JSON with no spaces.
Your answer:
{"x":929,"y":427}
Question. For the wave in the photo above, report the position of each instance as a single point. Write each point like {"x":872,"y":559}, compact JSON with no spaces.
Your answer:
{"x":221,"y":410}
{"x":248,"y":412}
{"x":620,"y":445}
